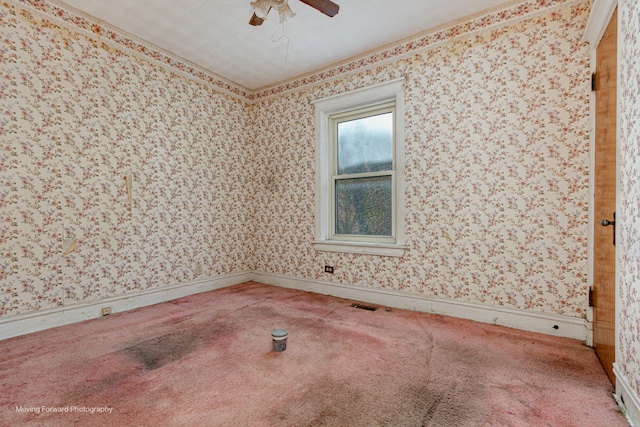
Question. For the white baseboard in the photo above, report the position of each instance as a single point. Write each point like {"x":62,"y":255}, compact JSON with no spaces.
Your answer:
{"x":568,"y":327}
{"x":13,"y":326}
{"x":628,"y":400}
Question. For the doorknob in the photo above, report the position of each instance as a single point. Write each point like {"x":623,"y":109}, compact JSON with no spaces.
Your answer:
{"x":606,"y":222}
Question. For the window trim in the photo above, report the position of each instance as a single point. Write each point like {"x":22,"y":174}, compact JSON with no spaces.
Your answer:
{"x":378,"y":94}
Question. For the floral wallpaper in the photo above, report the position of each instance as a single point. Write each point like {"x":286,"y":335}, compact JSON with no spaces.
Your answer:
{"x":496,"y":170}
{"x":629,"y":216}
{"x":78,"y":116}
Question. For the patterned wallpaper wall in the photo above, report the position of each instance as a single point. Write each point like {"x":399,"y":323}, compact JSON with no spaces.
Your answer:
{"x":77,"y":117}
{"x":629,"y":216}
{"x":496,"y":171}
{"x":497,"y":155}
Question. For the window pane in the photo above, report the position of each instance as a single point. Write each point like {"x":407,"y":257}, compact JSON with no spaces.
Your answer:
{"x":363,"y":206}
{"x":365,"y":145}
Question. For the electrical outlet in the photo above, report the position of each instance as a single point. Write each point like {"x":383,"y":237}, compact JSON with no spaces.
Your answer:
{"x":198,"y":269}
{"x":328,"y":269}
{"x":106,"y":311}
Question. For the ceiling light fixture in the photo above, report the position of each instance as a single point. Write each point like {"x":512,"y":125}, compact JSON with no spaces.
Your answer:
{"x":261,"y":9}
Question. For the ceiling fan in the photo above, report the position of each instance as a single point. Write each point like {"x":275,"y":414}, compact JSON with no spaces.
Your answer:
{"x":262,"y":8}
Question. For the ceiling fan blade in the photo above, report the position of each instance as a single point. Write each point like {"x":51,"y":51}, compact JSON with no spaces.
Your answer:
{"x":327,"y":7}
{"x":255,"y":21}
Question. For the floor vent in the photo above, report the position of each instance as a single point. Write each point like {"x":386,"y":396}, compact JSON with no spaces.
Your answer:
{"x":364,"y":307}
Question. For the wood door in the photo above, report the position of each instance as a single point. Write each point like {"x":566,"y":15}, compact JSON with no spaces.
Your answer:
{"x":604,"y":285}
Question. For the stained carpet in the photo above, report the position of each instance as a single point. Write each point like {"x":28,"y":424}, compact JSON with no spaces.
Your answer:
{"x":207,"y":360}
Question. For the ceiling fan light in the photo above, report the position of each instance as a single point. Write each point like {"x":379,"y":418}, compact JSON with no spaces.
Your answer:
{"x":285,"y":13}
{"x":261,"y":8}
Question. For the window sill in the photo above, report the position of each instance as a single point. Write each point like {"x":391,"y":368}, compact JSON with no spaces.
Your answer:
{"x":380,"y":249}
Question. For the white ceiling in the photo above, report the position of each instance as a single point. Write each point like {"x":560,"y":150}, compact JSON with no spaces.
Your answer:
{"x":216,"y":35}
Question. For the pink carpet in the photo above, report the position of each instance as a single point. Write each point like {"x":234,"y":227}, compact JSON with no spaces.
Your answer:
{"x":206,"y":360}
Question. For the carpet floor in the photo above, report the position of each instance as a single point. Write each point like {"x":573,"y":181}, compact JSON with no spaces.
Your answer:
{"x":207,"y":360}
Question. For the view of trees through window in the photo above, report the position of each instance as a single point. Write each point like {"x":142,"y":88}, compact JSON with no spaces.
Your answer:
{"x":363,"y":185}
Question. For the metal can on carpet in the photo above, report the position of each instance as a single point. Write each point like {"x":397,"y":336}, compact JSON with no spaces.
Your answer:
{"x":279,"y":339}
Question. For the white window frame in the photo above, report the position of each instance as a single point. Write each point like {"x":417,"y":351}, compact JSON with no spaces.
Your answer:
{"x":379,"y":94}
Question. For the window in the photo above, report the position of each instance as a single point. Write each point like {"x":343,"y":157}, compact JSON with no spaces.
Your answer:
{"x":362,"y":174}
{"x":360,"y":190}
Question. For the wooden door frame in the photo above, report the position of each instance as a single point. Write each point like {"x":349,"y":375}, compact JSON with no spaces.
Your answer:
{"x":601,"y":13}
